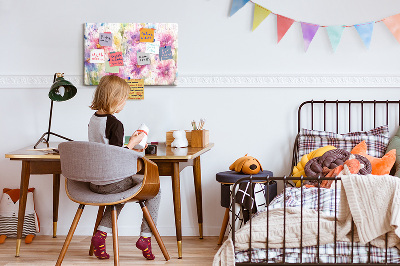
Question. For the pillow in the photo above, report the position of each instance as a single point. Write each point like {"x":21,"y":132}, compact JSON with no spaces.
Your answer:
{"x":380,"y":166}
{"x":394,"y":143}
{"x":377,"y":139}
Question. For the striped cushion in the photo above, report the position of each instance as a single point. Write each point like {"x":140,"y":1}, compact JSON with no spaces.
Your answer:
{"x":377,"y":139}
{"x":8,"y":225}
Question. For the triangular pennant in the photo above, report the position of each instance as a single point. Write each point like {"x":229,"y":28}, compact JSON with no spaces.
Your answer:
{"x":393,"y":23}
{"x":236,"y":5}
{"x":335,"y":35}
{"x":260,"y":13}
{"x":309,"y":31}
{"x":365,"y":32}
{"x":283,"y":24}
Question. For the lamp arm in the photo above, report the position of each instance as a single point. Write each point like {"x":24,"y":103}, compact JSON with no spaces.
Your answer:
{"x":50,"y":116}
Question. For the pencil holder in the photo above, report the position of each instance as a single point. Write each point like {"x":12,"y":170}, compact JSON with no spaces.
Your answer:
{"x":199,"y":138}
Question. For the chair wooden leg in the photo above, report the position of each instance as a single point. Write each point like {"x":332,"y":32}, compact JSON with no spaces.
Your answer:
{"x":154,"y":230}
{"x":70,"y":234}
{"x":223,"y":227}
{"x":98,"y":220}
{"x":115,"y":235}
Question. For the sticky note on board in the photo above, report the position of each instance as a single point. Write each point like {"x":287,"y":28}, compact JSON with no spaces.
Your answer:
{"x":105,"y":39}
{"x":146,"y":35}
{"x":116,"y":59}
{"x":137,"y":89}
{"x":109,"y":69}
{"x":165,"y":52}
{"x":152,"y":47}
{"x":143,"y":59}
{"x":97,"y":56}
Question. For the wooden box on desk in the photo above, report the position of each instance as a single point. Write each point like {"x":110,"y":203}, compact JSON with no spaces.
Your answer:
{"x":200,"y":138}
{"x":170,"y":138}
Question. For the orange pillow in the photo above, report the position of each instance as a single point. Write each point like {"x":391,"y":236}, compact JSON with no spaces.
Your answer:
{"x":380,"y":166}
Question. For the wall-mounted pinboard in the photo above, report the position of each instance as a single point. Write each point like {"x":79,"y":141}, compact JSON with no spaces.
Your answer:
{"x":147,"y":51}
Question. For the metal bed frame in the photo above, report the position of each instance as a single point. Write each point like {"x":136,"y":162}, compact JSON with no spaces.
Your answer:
{"x":338,"y":106}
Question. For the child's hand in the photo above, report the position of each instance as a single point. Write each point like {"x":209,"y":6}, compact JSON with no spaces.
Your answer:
{"x":135,"y":139}
{"x":141,"y":150}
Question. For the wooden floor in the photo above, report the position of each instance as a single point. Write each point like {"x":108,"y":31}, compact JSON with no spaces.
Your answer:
{"x":44,"y":250}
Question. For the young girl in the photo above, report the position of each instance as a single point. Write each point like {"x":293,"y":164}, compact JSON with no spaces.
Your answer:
{"x":110,"y":98}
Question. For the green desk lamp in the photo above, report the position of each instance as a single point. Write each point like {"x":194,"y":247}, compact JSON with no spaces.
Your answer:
{"x":61,"y":90}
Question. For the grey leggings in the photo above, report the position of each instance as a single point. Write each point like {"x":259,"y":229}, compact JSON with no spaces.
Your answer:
{"x":120,"y":186}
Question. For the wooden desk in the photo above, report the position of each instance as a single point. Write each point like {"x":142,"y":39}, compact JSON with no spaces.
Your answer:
{"x":170,"y":162}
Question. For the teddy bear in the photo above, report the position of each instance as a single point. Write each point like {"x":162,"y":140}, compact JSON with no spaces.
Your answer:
{"x":180,"y":140}
{"x":9,"y":205}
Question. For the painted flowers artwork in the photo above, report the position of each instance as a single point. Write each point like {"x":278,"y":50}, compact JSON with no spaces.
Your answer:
{"x":147,"y":51}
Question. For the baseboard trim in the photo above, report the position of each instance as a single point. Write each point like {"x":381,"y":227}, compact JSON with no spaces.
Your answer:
{"x":240,"y":81}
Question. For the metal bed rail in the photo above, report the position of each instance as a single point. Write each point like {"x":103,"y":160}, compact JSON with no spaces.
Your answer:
{"x":285,"y":180}
{"x":344,"y":116}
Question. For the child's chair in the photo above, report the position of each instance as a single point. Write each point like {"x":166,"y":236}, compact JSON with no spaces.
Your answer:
{"x":83,"y":162}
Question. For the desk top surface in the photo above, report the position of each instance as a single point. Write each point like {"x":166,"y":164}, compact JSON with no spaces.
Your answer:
{"x":163,"y":153}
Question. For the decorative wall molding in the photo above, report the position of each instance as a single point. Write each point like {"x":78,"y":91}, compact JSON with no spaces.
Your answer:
{"x":243,"y":81}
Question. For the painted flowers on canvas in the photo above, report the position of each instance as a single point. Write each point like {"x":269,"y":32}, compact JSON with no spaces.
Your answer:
{"x":126,"y":39}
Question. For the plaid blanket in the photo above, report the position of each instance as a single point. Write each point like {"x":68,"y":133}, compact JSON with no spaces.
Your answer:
{"x":326,"y":252}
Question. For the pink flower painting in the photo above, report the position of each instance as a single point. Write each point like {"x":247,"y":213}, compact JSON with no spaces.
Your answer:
{"x":126,"y":39}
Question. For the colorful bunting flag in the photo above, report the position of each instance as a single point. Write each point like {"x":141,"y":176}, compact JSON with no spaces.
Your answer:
{"x":365,"y":32}
{"x":335,"y":35}
{"x":309,"y":31}
{"x":283,"y":25}
{"x":393,"y":23}
{"x":236,"y":5}
{"x":260,"y":13}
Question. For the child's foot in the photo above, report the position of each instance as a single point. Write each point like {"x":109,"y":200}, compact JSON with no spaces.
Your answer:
{"x":99,"y":245}
{"x":144,"y":244}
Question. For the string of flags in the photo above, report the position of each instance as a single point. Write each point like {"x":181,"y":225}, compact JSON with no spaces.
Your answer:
{"x":309,"y":30}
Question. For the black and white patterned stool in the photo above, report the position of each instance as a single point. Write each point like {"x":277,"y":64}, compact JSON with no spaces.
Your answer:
{"x":227,"y":179}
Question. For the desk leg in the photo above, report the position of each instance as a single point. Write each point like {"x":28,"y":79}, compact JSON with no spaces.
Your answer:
{"x":176,"y":190}
{"x":197,"y":187}
{"x":56,"y":199}
{"x":25,"y":175}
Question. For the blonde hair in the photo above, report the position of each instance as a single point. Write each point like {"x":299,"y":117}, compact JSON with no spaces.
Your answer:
{"x":109,"y":93}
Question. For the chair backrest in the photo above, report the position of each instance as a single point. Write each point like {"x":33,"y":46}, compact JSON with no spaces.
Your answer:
{"x":93,"y":162}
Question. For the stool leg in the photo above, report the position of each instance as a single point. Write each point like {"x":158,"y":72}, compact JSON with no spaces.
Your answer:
{"x":223,"y":227}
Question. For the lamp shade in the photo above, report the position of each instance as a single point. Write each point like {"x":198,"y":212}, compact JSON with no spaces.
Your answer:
{"x":62,"y":90}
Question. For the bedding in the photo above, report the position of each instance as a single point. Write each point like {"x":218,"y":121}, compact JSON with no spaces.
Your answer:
{"x":377,"y":139}
{"x":356,"y":189}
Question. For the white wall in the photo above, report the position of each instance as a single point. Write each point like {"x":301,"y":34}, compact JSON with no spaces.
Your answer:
{"x":40,"y":38}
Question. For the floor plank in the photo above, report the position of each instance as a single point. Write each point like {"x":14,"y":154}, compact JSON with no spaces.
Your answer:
{"x":44,"y":251}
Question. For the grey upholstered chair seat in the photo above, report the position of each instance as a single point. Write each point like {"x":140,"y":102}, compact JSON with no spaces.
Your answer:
{"x":83,"y":162}
{"x":80,"y":192}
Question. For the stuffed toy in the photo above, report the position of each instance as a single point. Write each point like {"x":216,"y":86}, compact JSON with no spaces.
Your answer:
{"x":380,"y":166}
{"x":180,"y":140}
{"x":350,"y":166}
{"x":332,"y":159}
{"x":246,"y":165}
{"x":9,"y":205}
{"x":298,"y":170}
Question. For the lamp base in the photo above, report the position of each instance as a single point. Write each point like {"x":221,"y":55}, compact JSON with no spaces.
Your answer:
{"x":45,"y":139}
